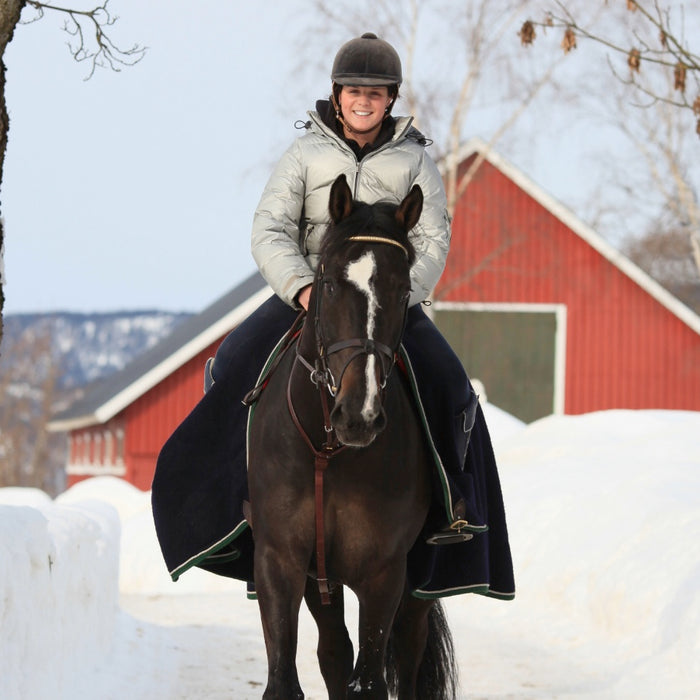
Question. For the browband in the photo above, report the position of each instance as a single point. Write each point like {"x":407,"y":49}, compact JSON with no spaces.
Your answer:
{"x":379,"y":239}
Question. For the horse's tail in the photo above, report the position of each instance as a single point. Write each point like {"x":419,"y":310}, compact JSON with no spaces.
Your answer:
{"x":437,"y":673}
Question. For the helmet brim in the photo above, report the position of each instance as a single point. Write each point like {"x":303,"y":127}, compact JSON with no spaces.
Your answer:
{"x":365,"y":80}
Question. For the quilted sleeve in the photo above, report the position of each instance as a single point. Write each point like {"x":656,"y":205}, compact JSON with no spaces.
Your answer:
{"x":275,"y":241}
{"x":431,"y":235}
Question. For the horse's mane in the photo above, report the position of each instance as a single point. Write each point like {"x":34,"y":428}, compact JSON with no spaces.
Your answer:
{"x":366,"y":219}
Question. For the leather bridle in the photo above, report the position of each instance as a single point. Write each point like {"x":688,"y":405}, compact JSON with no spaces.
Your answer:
{"x":320,"y":373}
{"x":322,"y":377}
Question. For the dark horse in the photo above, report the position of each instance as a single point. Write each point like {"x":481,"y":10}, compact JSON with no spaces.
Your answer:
{"x":339,"y":473}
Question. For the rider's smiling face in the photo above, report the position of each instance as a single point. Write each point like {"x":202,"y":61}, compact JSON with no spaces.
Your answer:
{"x":364,"y":109}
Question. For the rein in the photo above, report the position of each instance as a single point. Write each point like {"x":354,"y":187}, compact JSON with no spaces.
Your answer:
{"x":321,"y":376}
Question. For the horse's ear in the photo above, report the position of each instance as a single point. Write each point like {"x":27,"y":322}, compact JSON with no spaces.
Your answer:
{"x":340,"y":203}
{"x":410,"y":209}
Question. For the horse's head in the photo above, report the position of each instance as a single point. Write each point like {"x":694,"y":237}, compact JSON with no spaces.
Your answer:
{"x":359,"y":299}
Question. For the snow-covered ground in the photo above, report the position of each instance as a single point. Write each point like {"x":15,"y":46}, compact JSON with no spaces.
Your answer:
{"x":604,"y":518}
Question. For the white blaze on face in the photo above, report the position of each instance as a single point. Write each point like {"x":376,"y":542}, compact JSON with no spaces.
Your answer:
{"x":359,"y":272}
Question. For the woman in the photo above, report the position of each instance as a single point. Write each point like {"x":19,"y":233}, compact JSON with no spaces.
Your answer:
{"x":382,"y":157}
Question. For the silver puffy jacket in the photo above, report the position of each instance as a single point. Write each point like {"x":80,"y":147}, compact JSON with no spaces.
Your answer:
{"x":292,"y":215}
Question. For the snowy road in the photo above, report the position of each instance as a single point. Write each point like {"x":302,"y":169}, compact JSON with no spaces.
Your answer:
{"x":214,"y":643}
{"x":211,"y":646}
{"x":209,"y":652}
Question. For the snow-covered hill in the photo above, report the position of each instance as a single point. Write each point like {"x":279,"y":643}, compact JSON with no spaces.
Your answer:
{"x":84,"y":347}
{"x":45,"y":361}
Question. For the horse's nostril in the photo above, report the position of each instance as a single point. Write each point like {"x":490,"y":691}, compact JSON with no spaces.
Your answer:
{"x":380,"y":422}
{"x":337,"y":414}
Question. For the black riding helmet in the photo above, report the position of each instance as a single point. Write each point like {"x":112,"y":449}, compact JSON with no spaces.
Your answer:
{"x":367,"y":60}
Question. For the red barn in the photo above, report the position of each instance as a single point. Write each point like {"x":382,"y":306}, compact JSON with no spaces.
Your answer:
{"x":545,"y":313}
{"x":549,"y":315}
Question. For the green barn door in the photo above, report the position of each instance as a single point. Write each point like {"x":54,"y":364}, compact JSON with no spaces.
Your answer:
{"x":511,"y":352}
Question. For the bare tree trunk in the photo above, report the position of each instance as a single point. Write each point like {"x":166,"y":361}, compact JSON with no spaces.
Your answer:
{"x":10,"y":11}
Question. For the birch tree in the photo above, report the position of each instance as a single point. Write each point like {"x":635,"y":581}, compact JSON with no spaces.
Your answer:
{"x":464,"y":60}
{"x":457,"y":59}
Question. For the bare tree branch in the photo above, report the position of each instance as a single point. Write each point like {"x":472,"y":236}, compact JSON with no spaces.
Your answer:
{"x":456,"y":190}
{"x":662,"y":67}
{"x":95,"y":23}
{"x":28,"y":394}
{"x":670,"y":52}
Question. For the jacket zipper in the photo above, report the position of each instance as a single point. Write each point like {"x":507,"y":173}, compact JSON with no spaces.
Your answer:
{"x":358,"y":163}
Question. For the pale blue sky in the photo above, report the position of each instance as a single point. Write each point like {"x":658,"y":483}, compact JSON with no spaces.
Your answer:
{"x":136,"y":189}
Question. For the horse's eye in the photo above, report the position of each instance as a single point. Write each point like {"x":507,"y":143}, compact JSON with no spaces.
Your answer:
{"x":329,"y":287}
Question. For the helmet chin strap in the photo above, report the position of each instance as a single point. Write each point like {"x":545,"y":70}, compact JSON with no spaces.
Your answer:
{"x":341,"y":119}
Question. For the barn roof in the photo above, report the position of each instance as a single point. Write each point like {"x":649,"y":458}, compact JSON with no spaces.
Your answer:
{"x":106,"y":398}
{"x":477,"y":146}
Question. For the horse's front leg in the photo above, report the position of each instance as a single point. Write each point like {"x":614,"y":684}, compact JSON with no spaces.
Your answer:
{"x":335,"y":654}
{"x":279,"y":585}
{"x":379,"y":597}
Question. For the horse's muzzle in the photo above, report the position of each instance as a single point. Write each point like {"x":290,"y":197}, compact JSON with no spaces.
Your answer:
{"x":357,"y":428}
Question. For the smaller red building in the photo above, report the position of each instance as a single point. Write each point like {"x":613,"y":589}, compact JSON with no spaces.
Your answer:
{"x":119,"y":426}
{"x":541,"y":309}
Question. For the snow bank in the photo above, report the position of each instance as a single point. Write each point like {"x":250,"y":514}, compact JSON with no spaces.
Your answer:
{"x":58,"y":592}
{"x":142,"y":569}
{"x":604,"y":519}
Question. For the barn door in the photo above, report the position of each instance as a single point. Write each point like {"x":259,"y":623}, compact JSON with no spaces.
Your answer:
{"x":514,"y":350}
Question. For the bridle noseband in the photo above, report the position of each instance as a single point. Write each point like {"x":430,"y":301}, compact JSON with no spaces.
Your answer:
{"x":321,"y":374}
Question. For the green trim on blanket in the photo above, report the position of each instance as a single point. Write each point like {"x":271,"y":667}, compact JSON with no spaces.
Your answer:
{"x":442,"y":474}
{"x":477,"y":589}
{"x":210,"y":552}
{"x":446,"y":493}
{"x":251,"y":408}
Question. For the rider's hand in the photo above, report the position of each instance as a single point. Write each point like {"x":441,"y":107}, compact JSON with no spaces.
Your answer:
{"x":303,"y":297}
